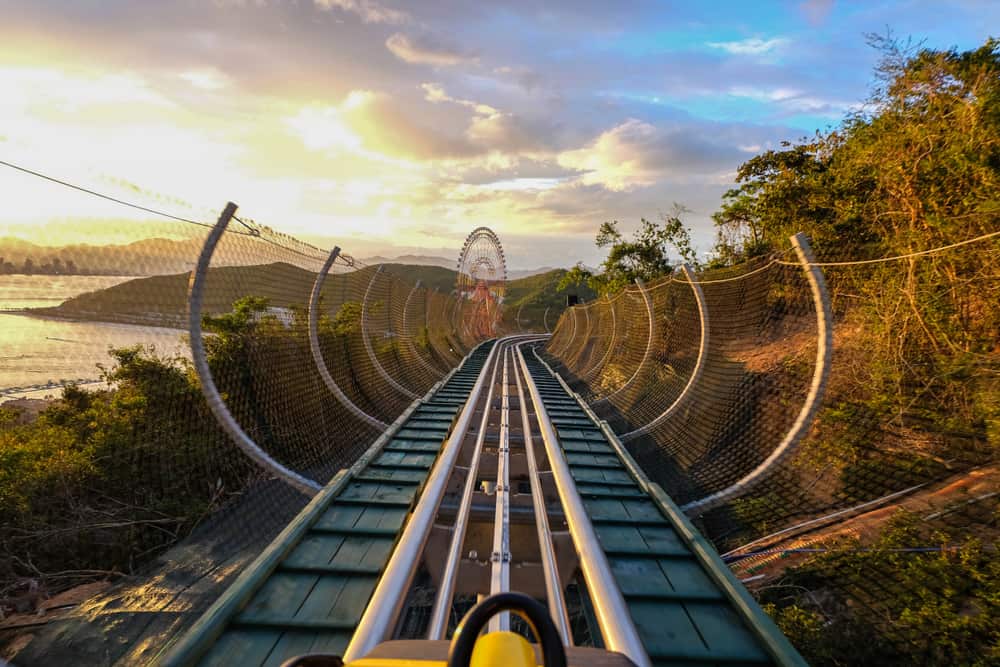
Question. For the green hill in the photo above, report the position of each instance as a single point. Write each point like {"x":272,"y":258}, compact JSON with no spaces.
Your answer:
{"x":531,"y":297}
{"x":162,"y":300}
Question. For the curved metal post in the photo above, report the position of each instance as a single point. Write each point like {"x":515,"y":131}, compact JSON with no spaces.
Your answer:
{"x":699,"y":366}
{"x":517,"y":318}
{"x":317,"y":353}
{"x":586,"y":335}
{"x":563,"y":348}
{"x":824,"y":351}
{"x":368,"y":344}
{"x":611,"y":344}
{"x":649,"y":343}
{"x":545,"y":319}
{"x":409,"y":339}
{"x":218,"y":407}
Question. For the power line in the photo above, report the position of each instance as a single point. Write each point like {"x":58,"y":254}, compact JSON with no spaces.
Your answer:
{"x":251,"y":230}
{"x":103,"y":196}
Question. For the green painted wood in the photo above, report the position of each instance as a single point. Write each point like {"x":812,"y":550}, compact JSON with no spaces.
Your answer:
{"x":686,"y":604}
{"x":308,"y":589}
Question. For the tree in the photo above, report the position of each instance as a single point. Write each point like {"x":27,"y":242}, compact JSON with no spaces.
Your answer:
{"x":645,"y":256}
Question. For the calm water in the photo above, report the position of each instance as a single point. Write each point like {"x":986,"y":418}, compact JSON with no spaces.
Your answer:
{"x":36,"y":353}
{"x":20,"y":291}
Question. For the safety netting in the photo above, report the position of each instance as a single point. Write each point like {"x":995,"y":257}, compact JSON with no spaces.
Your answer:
{"x":147,"y":455}
{"x":832,"y":424}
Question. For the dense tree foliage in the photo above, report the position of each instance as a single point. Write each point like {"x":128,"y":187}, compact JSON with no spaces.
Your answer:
{"x":645,"y":256}
{"x":917,"y":167}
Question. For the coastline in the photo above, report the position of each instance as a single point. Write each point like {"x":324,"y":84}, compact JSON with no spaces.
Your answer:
{"x":58,"y":314}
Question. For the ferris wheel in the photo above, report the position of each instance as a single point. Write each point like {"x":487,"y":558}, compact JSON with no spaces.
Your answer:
{"x":481,"y":283}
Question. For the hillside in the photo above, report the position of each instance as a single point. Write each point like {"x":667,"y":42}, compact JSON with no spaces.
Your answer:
{"x":162,"y":300}
{"x":534,"y":294}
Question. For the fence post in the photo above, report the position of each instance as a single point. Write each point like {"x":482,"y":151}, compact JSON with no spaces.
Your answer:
{"x":216,"y":404}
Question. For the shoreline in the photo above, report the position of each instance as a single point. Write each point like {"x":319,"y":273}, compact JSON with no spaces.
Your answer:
{"x":55,"y":314}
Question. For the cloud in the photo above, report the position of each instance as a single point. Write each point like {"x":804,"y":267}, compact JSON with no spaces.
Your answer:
{"x":205,"y":78}
{"x":370,"y":12}
{"x":794,"y":100}
{"x":752,"y":46}
{"x":636,"y":154}
{"x":424,"y":50}
{"x":373,"y":125}
{"x":435,"y":93}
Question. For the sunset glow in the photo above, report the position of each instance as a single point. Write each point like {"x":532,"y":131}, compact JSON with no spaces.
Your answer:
{"x":394,"y":128}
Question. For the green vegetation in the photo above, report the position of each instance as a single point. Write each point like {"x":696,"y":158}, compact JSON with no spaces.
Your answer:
{"x":533,"y":295}
{"x":914,"y":393}
{"x":885,"y":604}
{"x":645,"y":256}
{"x":104,"y":480}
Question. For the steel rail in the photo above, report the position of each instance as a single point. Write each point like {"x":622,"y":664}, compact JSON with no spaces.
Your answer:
{"x":387,"y":600}
{"x":317,"y":352}
{"x":216,"y":404}
{"x":438,"y":626}
{"x":699,"y":366}
{"x":613,"y":617}
{"x":368,"y":344}
{"x":500,"y":556}
{"x":550,"y":570}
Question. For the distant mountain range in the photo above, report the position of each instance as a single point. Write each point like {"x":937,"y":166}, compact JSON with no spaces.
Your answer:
{"x":159,"y":256}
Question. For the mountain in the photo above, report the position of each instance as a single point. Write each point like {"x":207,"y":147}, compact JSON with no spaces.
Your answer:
{"x":515,"y":274}
{"x":417,"y":260}
{"x":162,"y":300}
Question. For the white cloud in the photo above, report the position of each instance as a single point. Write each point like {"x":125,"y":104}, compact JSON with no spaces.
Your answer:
{"x":435,"y":93}
{"x":370,"y":12}
{"x":753,"y":46}
{"x":794,"y":100}
{"x":206,"y":79}
{"x":423,"y":50}
{"x":615,"y":159}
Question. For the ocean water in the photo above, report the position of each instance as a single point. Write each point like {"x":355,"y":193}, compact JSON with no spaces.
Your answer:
{"x":21,"y":291}
{"x":37,"y":354}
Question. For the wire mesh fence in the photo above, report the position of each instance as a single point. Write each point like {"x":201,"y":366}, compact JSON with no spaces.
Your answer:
{"x":119,"y":471}
{"x":872,"y":539}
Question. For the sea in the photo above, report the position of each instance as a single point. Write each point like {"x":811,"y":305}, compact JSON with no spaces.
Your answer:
{"x":38,"y":354}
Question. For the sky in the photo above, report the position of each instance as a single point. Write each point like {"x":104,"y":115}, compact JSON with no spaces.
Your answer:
{"x":393,"y":127}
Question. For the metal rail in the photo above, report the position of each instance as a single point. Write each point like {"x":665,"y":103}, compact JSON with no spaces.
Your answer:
{"x":613,"y":617}
{"x":500,"y":557}
{"x":438,"y":626}
{"x":553,"y":586}
{"x":386,"y":602}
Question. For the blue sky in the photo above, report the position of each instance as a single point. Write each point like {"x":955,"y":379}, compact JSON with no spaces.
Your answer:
{"x":396,"y":127}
